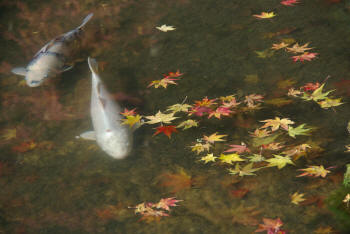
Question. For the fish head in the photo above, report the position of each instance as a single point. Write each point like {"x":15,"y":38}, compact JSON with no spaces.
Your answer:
{"x":117,"y":144}
{"x":35,"y":78}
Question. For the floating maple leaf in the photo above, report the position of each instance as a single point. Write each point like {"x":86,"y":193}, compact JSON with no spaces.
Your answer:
{"x":173,"y":74}
{"x":330,"y":102}
{"x":220,"y":111}
{"x":296,"y":198}
{"x":214,"y":137}
{"x":294,"y":93}
{"x":188,"y":124}
{"x":127,"y":112}
{"x":166,"y":203}
{"x":163,"y":82}
{"x":208,"y":158}
{"x":167,"y":130}
{"x":199,"y":147}
{"x":296,"y":48}
{"x":199,"y":110}
{"x":311,"y":86}
{"x":279,"y":161}
{"x":178,"y":108}
{"x":260,"y":133}
{"x":252,"y":99}
{"x":289,"y":2}
{"x":305,"y":56}
{"x":160,"y":118}
{"x":206,"y":102}
{"x":131,"y":120}
{"x":272,"y":146}
{"x":238,"y":148}
{"x":314,"y":171}
{"x":279,"y":46}
{"x":165,"y":28}
{"x":317,"y":95}
{"x":300,"y":130}
{"x":276,"y":123}
{"x":230,"y":158}
{"x":296,"y":150}
{"x":246,"y":170}
{"x":265,"y":15}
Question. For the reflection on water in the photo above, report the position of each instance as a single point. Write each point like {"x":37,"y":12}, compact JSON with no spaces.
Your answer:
{"x":244,"y":94}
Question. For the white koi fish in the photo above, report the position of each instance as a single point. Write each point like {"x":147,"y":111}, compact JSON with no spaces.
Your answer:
{"x":113,"y":137}
{"x":51,"y":59}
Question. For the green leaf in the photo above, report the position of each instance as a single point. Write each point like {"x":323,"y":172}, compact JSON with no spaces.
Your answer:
{"x":300,"y":130}
{"x":279,"y":161}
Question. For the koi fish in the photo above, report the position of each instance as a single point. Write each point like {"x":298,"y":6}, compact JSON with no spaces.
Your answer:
{"x":113,"y":137}
{"x":51,"y":59}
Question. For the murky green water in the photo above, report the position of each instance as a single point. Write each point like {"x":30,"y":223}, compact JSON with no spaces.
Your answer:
{"x":52,"y":182}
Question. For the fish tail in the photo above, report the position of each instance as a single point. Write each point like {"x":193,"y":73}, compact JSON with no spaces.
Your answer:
{"x":93,"y":65}
{"x":86,"y":19}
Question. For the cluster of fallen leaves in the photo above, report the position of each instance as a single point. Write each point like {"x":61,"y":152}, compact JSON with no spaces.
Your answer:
{"x":217,"y":107}
{"x":150,"y":211}
{"x":263,"y":151}
{"x":294,"y":48}
{"x":167,"y":79}
{"x":314,"y":92}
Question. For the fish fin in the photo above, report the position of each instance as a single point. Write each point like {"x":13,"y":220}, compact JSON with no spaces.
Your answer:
{"x":19,"y":71}
{"x":93,"y":65}
{"x":89,"y":135}
{"x":85,"y":20}
{"x":66,"y":68}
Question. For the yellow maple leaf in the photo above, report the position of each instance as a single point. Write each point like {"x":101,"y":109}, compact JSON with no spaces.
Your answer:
{"x":199,"y":147}
{"x":131,"y":120}
{"x":279,"y":161}
{"x":296,"y":198}
{"x":208,"y":158}
{"x":230,"y":158}
{"x":188,"y":124}
{"x":265,"y":15}
{"x":329,"y":102}
{"x":214,"y":137}
{"x":160,"y":118}
{"x":178,"y":108}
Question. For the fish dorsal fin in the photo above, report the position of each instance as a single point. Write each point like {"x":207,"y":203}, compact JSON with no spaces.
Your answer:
{"x":93,"y":65}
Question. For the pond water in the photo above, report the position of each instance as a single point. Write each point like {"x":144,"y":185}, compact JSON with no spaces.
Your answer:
{"x":52,"y":182}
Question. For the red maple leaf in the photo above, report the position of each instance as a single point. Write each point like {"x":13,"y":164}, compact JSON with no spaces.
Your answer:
{"x":311,"y":86}
{"x":167,"y":130}
{"x":238,"y":148}
{"x":289,"y":2}
{"x":173,"y":74}
{"x":199,"y":110}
